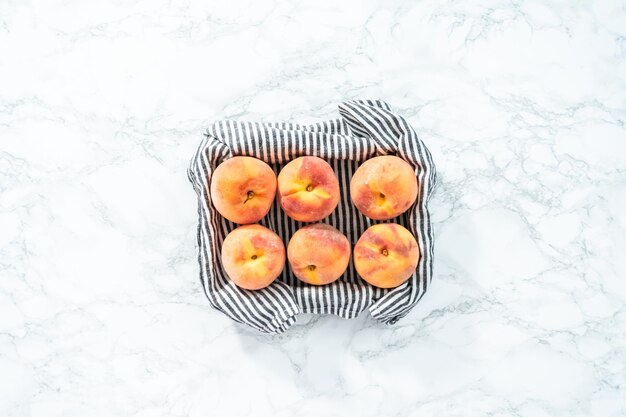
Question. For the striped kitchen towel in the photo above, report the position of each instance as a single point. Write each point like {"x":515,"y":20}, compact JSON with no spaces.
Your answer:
{"x":366,"y":128}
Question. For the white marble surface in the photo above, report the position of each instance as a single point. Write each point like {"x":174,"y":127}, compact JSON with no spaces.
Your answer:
{"x":103,"y":102}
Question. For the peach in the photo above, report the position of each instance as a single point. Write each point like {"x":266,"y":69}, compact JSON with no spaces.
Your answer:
{"x":383,"y":187}
{"x":386,"y":255}
{"x":308,"y":189}
{"x":243,"y":189}
{"x":318,"y":254}
{"x":253,"y":256}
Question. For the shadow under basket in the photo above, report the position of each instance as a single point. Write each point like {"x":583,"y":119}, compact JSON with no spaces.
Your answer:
{"x":366,"y":128}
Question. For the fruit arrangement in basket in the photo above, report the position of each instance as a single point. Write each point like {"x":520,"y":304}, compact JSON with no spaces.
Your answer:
{"x":243,"y":190}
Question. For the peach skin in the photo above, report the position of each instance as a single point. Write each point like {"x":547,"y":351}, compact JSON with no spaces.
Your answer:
{"x":383,"y":187}
{"x":386,"y":255}
{"x":243,"y":189}
{"x":318,"y":254}
{"x":308,"y":189}
{"x":253,"y":256}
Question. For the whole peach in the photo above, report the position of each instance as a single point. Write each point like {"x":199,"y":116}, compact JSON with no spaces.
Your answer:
{"x":383,"y":187}
{"x":318,"y":254}
{"x":243,"y":189}
{"x":253,"y":256}
{"x":386,"y":255}
{"x":308,"y":189}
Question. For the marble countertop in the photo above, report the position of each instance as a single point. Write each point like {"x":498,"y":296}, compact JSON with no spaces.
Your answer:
{"x":522,"y":105}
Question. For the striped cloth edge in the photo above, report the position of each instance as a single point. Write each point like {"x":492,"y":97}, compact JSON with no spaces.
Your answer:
{"x":366,"y":128}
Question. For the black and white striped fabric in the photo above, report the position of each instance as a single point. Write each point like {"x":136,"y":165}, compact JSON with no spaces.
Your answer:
{"x":366,"y":129}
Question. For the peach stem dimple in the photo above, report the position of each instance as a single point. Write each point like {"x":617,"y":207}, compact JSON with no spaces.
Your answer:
{"x":253,"y":257}
{"x":385,"y":252}
{"x":249,"y":195}
{"x":309,"y":187}
{"x":311,"y":267}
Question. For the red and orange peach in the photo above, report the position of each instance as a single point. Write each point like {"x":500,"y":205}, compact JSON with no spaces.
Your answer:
{"x":243,"y":189}
{"x":386,"y":255}
{"x":253,"y":256}
{"x":308,"y":189}
{"x":383,"y":187}
{"x":318,"y":254}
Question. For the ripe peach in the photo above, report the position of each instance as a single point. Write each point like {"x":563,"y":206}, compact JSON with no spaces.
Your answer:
{"x":318,"y":254}
{"x":253,"y":256}
{"x":308,"y":189}
{"x":383,"y":187}
{"x":386,"y":255}
{"x":243,"y":189}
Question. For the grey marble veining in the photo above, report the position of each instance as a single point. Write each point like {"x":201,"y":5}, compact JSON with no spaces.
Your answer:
{"x":103,"y":103}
